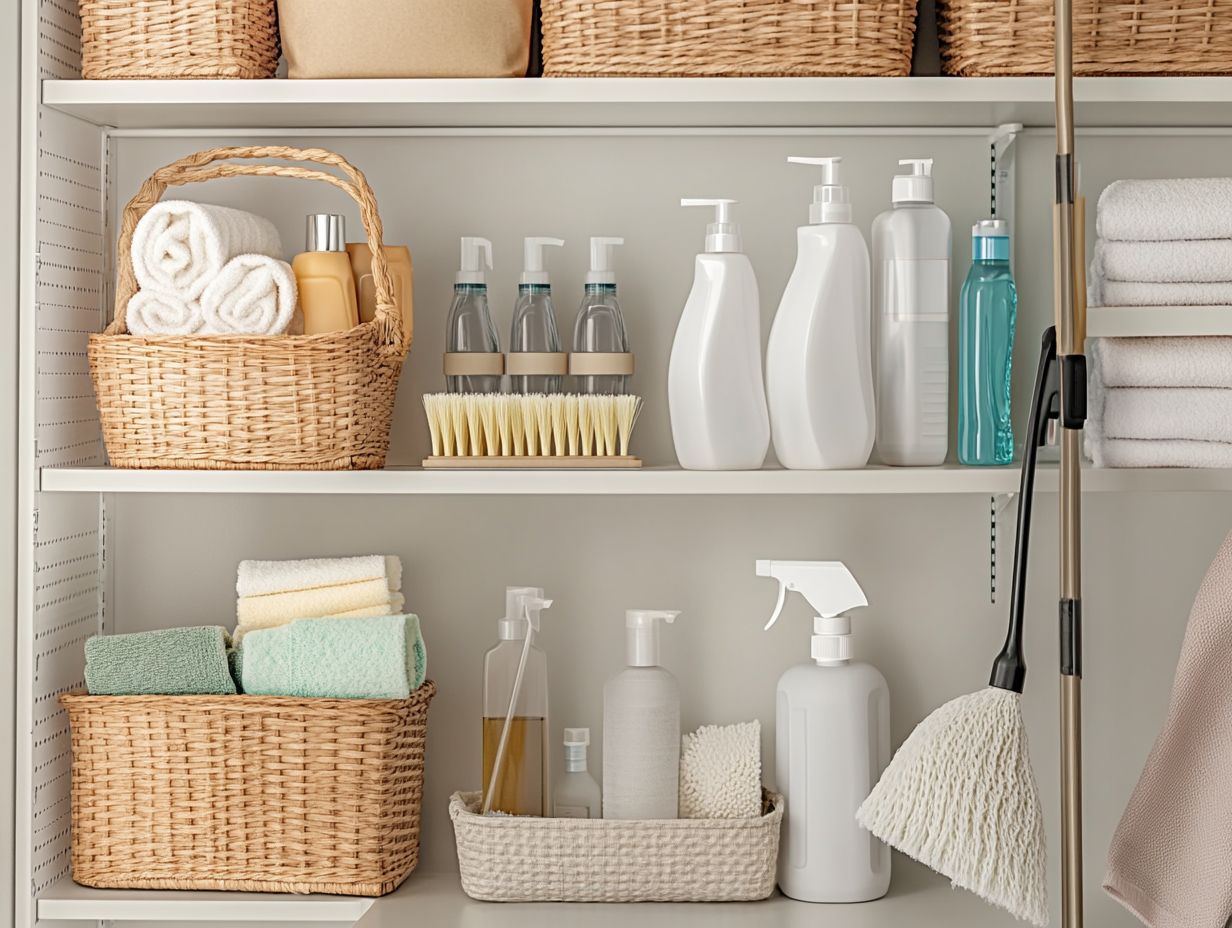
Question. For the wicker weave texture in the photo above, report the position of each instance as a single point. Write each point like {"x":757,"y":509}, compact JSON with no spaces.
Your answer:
{"x":993,"y":38}
{"x":727,"y":38}
{"x":507,"y":859}
{"x":304,"y":402}
{"x":251,"y":793}
{"x":178,"y":39}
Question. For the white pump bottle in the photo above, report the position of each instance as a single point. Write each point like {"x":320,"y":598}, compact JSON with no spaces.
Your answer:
{"x":832,"y":739}
{"x":715,"y":390}
{"x":819,"y":375}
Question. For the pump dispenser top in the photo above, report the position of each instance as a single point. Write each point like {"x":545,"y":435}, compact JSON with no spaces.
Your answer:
{"x":642,"y":635}
{"x":601,"y":271}
{"x":831,"y":590}
{"x":471,"y":271}
{"x":533,"y":271}
{"x":916,"y":187}
{"x":722,"y":235}
{"x":513,"y":625}
{"x":831,"y":200}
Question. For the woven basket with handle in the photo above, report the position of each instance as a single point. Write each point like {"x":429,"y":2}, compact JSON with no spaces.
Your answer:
{"x":727,"y":38}
{"x":993,"y":38}
{"x":235,"y":402}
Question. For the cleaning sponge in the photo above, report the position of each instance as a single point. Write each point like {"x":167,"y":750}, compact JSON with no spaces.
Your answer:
{"x":720,"y":772}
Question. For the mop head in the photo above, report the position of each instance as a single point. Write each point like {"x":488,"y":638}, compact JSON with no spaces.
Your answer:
{"x":960,"y":797}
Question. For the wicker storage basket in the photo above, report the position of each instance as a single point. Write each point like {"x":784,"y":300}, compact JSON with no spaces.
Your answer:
{"x":516,"y":859}
{"x":992,"y":38}
{"x":727,"y":38}
{"x":251,"y":793}
{"x":178,"y":39}
{"x":287,"y":402}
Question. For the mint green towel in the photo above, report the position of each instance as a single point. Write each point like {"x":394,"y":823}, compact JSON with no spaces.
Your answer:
{"x":167,"y":662}
{"x":381,"y":657}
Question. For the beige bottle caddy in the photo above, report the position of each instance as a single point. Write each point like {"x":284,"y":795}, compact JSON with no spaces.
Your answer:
{"x":536,"y":431}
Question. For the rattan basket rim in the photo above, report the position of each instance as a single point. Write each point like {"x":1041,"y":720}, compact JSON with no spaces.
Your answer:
{"x":241,"y":701}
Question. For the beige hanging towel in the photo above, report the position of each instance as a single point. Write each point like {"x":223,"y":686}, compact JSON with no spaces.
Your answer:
{"x":1170,"y":862}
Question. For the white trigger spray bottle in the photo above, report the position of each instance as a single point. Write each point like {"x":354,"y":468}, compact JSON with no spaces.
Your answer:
{"x":832,"y":734}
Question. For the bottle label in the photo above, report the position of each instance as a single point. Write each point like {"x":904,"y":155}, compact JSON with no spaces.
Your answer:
{"x":572,"y":812}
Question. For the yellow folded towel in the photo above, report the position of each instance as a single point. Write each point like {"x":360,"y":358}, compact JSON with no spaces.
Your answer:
{"x":278,"y":608}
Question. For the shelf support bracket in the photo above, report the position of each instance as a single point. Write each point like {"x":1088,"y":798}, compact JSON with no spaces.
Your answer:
{"x":1001,"y":152}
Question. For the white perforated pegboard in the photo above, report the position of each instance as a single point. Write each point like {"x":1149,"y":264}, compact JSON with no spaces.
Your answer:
{"x":59,"y":53}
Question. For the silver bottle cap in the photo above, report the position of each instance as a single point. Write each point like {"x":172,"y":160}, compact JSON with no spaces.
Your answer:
{"x":326,"y":232}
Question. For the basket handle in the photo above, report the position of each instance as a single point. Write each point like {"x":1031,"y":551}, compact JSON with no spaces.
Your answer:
{"x":202,"y":167}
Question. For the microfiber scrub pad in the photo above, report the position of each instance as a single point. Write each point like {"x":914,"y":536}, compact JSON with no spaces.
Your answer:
{"x":720,"y":772}
{"x":167,"y":662}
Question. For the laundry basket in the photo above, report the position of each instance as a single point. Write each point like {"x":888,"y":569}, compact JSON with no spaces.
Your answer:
{"x":991,"y":38}
{"x":247,"y":793}
{"x":286,"y":402}
{"x":727,"y":38}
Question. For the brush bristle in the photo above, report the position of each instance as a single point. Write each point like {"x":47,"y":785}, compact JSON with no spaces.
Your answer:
{"x":960,"y":796}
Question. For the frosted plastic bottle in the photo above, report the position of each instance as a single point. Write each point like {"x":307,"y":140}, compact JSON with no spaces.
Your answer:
{"x":577,"y":794}
{"x":832,"y":742}
{"x":715,"y":390}
{"x":819,"y":375}
{"x":641,"y":727}
{"x":534,"y":320}
{"x":600,"y":324}
{"x":987,"y":314}
{"x":911,"y":317}
{"x":470,"y":328}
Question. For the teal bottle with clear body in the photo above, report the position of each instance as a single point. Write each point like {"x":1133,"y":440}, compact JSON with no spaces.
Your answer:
{"x":987,"y":313}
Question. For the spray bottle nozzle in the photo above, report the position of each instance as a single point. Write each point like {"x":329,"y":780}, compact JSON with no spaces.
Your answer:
{"x":601,"y":271}
{"x":830,"y":589}
{"x":722,"y":235}
{"x":642,"y":634}
{"x":512,"y":625}
{"x":831,"y":201}
{"x":470,"y":270}
{"x":532,"y":258}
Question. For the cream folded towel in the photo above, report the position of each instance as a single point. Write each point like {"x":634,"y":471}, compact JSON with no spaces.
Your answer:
{"x":151,"y":312}
{"x":260,"y":578}
{"x":1164,"y":262}
{"x":252,"y":295}
{"x":1165,"y":210}
{"x":180,"y":247}
{"x":395,"y":606}
{"x":278,"y":608}
{"x":1161,"y":362}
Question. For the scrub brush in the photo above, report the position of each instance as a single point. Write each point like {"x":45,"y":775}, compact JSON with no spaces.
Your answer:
{"x":537,"y":430}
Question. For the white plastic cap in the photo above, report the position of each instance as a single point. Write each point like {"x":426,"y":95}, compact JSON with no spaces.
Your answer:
{"x":513,"y":625}
{"x":831,"y":201}
{"x":532,"y":258}
{"x":831,"y":642}
{"x":601,"y":271}
{"x":916,"y":187}
{"x":577,"y":736}
{"x":991,"y":228}
{"x":722,"y":235}
{"x":576,"y":741}
{"x":642,"y":635}
{"x":471,"y":272}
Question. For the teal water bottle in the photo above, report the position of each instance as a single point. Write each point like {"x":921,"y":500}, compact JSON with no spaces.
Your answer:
{"x":987,"y":312}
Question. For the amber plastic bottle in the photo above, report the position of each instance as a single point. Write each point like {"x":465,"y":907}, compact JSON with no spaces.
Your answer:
{"x":323,"y":273}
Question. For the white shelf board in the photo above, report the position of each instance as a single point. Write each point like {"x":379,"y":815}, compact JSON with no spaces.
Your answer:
{"x":67,"y":901}
{"x":1139,"y":321}
{"x":634,"y":102}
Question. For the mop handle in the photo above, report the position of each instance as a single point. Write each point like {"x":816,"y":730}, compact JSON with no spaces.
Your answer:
{"x":499,"y":761}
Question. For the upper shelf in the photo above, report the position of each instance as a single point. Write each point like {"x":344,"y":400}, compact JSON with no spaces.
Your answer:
{"x":1154,"y":321}
{"x":639,"y":102}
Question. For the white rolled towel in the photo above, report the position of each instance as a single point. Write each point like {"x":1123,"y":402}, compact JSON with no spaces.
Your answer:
{"x":252,"y":295}
{"x":179,"y":247}
{"x":151,"y":312}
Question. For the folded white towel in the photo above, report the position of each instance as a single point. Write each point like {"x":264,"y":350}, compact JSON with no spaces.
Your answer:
{"x":260,"y":578}
{"x":1164,"y":262}
{"x":252,"y":295}
{"x":277,"y":608}
{"x":720,"y":771}
{"x":1139,"y":452}
{"x":1160,"y":413}
{"x":151,"y":312}
{"x":1165,"y":210}
{"x":1161,"y":362}
{"x":179,"y":247}
{"x":1130,"y":293}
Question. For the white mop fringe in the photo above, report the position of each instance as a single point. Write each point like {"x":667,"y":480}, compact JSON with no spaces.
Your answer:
{"x":960,"y":797}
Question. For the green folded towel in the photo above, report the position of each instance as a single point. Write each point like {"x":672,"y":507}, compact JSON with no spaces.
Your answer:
{"x":167,"y":662}
{"x":381,"y":657}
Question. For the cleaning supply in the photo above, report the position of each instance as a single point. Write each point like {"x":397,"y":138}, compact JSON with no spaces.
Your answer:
{"x":535,"y":363}
{"x":473,"y":359}
{"x":960,"y":795}
{"x":819,"y":374}
{"x":715,"y":390}
{"x":516,"y":778}
{"x":720,"y":771}
{"x":641,"y":727}
{"x":326,"y":282}
{"x":1182,"y":209}
{"x":911,"y":316}
{"x":600,"y":362}
{"x":153,"y":312}
{"x":260,"y":578}
{"x":987,"y":314}
{"x":166,"y":662}
{"x":832,"y":736}
{"x":252,"y":295}
{"x":382,"y":657}
{"x":398,"y":258}
{"x":577,"y":794}
{"x":278,"y":608}
{"x":1168,"y":862}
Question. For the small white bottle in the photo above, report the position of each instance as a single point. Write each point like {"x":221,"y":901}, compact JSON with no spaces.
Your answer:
{"x":911,"y":313}
{"x":832,"y":739}
{"x":577,"y":795}
{"x":641,"y":727}
{"x":715,"y":391}
{"x":819,"y":374}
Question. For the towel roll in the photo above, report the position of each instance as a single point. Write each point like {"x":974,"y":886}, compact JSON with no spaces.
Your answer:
{"x":261,"y":578}
{"x":252,"y":295}
{"x":1165,"y":210}
{"x":151,"y":312}
{"x":167,"y":662}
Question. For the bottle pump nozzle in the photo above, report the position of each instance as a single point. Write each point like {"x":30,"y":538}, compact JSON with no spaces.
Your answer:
{"x":642,"y":634}
{"x":471,"y":272}
{"x":601,"y":271}
{"x":831,"y":201}
{"x":722,"y":235}
{"x":831,"y":590}
{"x":532,"y":258}
{"x":512,"y":625}
{"x":916,"y":187}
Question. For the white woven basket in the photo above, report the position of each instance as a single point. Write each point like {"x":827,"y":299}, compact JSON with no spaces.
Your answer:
{"x":523,"y":859}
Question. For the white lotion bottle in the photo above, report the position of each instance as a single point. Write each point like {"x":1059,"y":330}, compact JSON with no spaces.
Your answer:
{"x":819,"y":374}
{"x":911,"y":315}
{"x":641,"y":727}
{"x":832,"y":742}
{"x":715,"y":391}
